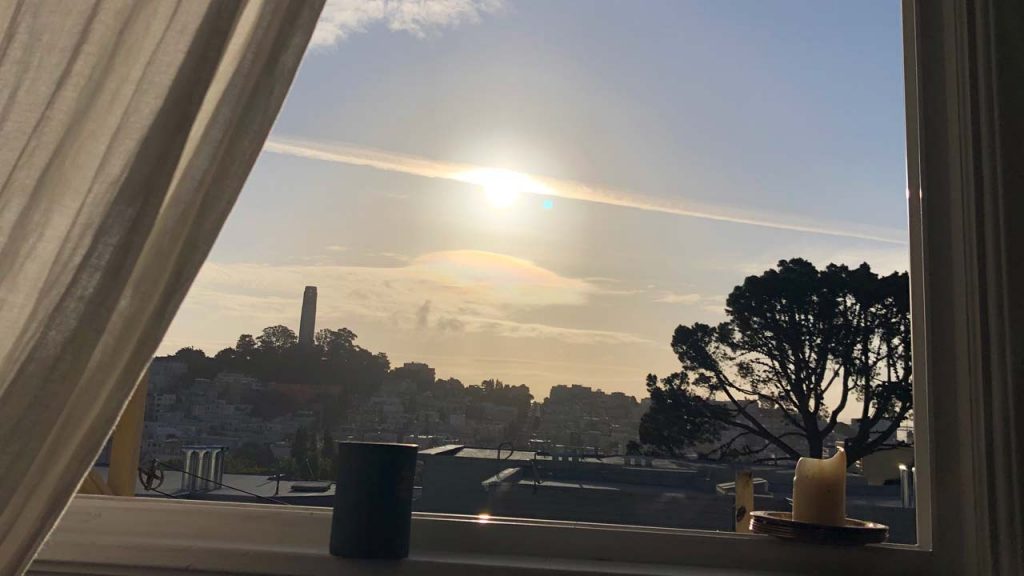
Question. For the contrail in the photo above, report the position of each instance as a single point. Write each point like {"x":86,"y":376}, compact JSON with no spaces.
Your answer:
{"x":568,"y":189}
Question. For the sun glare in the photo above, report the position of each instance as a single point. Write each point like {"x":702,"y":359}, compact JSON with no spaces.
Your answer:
{"x":501,"y":195}
{"x":502,"y":187}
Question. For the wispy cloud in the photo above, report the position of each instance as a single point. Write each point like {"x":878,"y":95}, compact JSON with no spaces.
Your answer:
{"x":394,"y":256}
{"x":342,"y":18}
{"x":513,"y":329}
{"x":678,"y":298}
{"x":708,"y":303}
{"x":457,"y":291}
{"x":532,"y":184}
{"x":713,"y":304}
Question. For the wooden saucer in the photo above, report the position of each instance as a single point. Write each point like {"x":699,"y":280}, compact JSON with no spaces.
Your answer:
{"x":782,"y":525}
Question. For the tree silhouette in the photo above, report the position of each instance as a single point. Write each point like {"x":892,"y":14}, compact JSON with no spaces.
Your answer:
{"x":328,"y":457}
{"x":305,"y":457}
{"x":678,"y":418}
{"x":275,"y":338}
{"x":800,"y":347}
{"x":246,"y":346}
{"x":300,"y":445}
{"x":331,"y":342}
{"x":198,"y":363}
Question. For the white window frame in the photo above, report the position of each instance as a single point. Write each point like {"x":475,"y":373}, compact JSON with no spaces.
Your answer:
{"x":957,"y":523}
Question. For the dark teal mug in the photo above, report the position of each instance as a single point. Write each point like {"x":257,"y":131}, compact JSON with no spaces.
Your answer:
{"x":373,"y":500}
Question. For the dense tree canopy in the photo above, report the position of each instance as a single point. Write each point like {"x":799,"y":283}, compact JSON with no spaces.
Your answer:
{"x":198,"y":363}
{"x":334,"y":362}
{"x":801,"y":347}
{"x":275,"y":356}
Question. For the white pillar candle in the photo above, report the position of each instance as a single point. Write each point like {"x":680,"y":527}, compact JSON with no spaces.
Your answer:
{"x":819,"y":490}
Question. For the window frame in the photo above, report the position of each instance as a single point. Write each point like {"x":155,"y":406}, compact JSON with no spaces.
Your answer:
{"x":109,"y":535}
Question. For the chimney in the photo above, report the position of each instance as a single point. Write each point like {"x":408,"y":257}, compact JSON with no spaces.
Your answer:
{"x":307,"y":324}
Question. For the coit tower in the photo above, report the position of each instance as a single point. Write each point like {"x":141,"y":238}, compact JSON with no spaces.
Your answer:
{"x":307,"y":324}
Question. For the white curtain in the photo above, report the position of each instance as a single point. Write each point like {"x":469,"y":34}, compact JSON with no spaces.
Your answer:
{"x":126,"y":132}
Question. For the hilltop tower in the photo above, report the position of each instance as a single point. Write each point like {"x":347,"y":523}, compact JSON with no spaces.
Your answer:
{"x":307,"y":323}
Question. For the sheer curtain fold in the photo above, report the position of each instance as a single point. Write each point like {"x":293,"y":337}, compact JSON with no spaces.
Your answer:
{"x":126,"y":132}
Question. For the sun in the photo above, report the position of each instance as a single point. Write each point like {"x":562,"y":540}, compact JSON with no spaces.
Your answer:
{"x":501,"y":194}
{"x":501,"y":187}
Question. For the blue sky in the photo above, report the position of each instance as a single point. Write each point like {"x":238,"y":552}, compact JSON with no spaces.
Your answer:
{"x":500,"y":188}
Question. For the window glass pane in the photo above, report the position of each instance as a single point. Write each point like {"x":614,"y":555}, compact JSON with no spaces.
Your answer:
{"x":596,"y":259}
